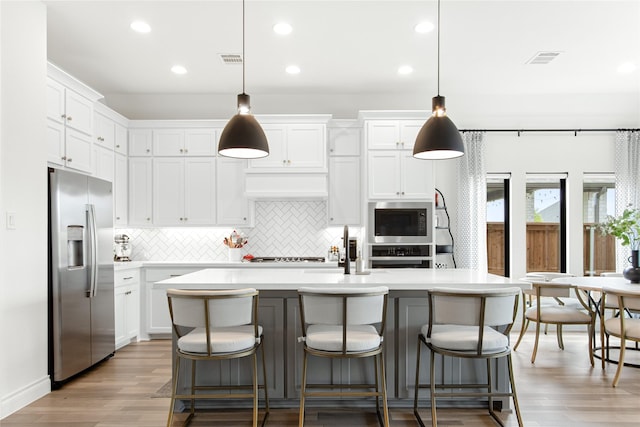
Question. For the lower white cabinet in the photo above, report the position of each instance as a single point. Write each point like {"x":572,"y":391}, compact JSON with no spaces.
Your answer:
{"x":127,"y":306}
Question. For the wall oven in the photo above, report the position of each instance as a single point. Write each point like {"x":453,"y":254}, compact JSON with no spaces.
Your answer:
{"x":400,"y":235}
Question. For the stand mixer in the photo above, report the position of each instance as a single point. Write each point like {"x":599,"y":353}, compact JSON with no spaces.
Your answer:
{"x":122,"y":248}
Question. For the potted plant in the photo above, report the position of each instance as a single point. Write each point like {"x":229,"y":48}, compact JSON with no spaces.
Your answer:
{"x":626,"y":227}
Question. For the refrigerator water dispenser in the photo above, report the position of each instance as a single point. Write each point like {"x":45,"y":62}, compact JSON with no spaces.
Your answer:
{"x":75,"y":246}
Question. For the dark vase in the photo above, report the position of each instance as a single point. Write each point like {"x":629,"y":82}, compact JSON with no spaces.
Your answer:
{"x":632,"y":273}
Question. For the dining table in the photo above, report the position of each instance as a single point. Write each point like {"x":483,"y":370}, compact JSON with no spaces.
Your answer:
{"x":592,"y":285}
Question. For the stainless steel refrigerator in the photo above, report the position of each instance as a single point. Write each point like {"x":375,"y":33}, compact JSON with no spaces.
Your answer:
{"x":81,"y":299}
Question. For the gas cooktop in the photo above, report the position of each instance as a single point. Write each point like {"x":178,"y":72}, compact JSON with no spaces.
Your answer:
{"x":288,"y":259}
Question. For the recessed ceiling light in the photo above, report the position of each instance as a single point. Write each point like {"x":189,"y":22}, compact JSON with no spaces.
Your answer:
{"x":178,"y":69}
{"x":405,"y":69}
{"x":293,"y":69}
{"x":140,"y":27}
{"x":627,"y":67}
{"x":424,"y":27}
{"x":282,"y":28}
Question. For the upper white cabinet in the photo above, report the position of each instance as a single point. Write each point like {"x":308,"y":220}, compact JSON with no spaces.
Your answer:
{"x":69,"y":127}
{"x":104,"y":131}
{"x":232,"y":206}
{"x":140,"y":191}
{"x":345,"y":140}
{"x":184,"y":142}
{"x":121,"y":142}
{"x":292,"y":148}
{"x":398,"y":175}
{"x":184,"y":191}
{"x":140,"y":142}
{"x":392,"y":134}
{"x":344,"y":191}
{"x":121,"y":216}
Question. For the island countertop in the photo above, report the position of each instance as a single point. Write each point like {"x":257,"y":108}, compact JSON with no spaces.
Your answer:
{"x":276,"y":279}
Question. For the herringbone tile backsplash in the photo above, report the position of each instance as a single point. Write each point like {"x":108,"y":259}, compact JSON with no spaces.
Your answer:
{"x":282,"y":228}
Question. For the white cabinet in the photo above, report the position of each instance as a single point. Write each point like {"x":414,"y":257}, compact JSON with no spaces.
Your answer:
{"x":293,"y":148}
{"x":127,"y":306}
{"x":69,"y":128}
{"x":398,"y":175}
{"x":184,"y":191}
{"x":392,"y":134}
{"x":232,"y":206}
{"x":104,"y":131}
{"x":120,"y":143}
{"x":120,"y":190}
{"x":344,"y":141}
{"x":140,"y":191}
{"x":140,"y":142}
{"x":344,"y":191}
{"x":184,"y":142}
{"x":104,"y":159}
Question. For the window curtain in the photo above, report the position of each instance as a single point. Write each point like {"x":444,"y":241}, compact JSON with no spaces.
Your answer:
{"x":627,"y":169}
{"x":471,"y":247}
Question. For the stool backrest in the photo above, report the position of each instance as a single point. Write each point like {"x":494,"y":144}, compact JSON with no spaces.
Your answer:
{"x":473,"y":307}
{"x":208,"y":308}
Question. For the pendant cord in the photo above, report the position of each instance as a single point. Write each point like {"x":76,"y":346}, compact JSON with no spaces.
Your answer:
{"x":438,"y":47}
{"x":243,"y":61}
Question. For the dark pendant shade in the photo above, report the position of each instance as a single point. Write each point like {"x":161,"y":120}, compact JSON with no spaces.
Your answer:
{"x":438,"y":139}
{"x":243,"y":138}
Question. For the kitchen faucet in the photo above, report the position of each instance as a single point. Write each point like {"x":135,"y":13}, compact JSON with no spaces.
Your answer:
{"x":347,"y":260}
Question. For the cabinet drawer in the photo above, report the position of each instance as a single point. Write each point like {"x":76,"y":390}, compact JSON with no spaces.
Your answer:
{"x":126,"y":277}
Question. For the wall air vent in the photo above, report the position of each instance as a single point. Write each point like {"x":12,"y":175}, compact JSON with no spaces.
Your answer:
{"x":230,"y":58}
{"x":543,"y":58}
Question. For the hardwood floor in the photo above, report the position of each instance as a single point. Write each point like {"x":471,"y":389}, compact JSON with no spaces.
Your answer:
{"x":560,"y":390}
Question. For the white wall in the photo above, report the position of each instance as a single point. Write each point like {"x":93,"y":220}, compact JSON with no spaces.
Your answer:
{"x":23,"y":190}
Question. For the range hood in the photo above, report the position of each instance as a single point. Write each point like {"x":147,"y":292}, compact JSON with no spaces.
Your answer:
{"x":279,"y":186}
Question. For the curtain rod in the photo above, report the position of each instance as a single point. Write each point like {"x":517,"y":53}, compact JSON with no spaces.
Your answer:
{"x":575,"y":131}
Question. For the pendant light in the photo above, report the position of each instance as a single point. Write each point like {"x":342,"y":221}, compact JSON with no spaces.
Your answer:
{"x":438,"y":138}
{"x":243,"y":137}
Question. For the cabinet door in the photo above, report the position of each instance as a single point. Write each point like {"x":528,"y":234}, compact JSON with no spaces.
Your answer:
{"x":120,"y":188}
{"x":119,"y":317}
{"x":140,"y":191}
{"x":276,"y":136}
{"x":168,"y":191}
{"x":344,"y":191}
{"x":55,"y":101}
{"x":200,"y":142}
{"x":168,"y":142}
{"x":104,"y":163}
{"x":416,"y":177}
{"x":232,"y":206}
{"x":383,"y":134}
{"x":306,"y":147}
{"x":159,"y":319}
{"x":140,"y":142}
{"x":79,"y":112}
{"x":120,"y":143}
{"x":200,"y":191}
{"x":344,"y":141}
{"x":384,"y":181}
{"x":132,"y":311}
{"x":55,"y":142}
{"x":104,"y":131}
{"x":78,"y":150}
{"x":408,"y":132}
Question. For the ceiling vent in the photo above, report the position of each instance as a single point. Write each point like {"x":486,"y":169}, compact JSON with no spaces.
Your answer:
{"x":230,"y":58}
{"x":543,"y":58}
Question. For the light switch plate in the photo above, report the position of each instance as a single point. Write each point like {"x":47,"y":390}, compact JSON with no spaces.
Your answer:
{"x":11,"y":220}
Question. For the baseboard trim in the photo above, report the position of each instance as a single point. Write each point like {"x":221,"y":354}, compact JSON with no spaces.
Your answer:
{"x":20,"y":398}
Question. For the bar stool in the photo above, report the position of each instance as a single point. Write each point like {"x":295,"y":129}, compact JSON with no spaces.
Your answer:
{"x":344,"y":323}
{"x":216,"y":325}
{"x":469,"y":324}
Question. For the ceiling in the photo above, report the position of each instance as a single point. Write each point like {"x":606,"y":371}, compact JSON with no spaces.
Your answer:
{"x":348,"y":51}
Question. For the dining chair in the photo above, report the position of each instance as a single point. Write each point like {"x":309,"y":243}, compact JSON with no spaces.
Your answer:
{"x":216,"y":325}
{"x":558,"y":315}
{"x":344,"y":323}
{"x":469,"y":324}
{"x":623,"y":327}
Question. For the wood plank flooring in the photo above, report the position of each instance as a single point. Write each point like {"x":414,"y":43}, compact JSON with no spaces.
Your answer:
{"x":560,"y":390}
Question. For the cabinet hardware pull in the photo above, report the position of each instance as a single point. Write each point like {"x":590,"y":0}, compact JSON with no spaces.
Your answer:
{"x":181,"y":150}
{"x":69,"y":118}
{"x":186,"y":151}
{"x":403,"y":193}
{"x":127,"y":278}
{"x":69,"y":159}
{"x":64,"y":116}
{"x":397,"y":193}
{"x":244,"y":218}
{"x":128,"y":293}
{"x":289,"y":161}
{"x":117,"y":217}
{"x":284,"y":162}
{"x":148,"y":150}
{"x":175,"y":275}
{"x":117,"y":146}
{"x":148,"y":219}
{"x":63,"y":158}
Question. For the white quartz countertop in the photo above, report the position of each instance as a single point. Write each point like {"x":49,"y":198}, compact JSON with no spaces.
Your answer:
{"x":243,"y":264}
{"x":293,"y":278}
{"x":126,"y":265}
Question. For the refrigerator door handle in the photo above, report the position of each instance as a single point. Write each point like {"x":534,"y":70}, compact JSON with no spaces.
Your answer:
{"x":93,"y":250}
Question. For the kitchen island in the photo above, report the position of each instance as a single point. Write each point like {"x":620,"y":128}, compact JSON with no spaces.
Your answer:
{"x":278,"y":314}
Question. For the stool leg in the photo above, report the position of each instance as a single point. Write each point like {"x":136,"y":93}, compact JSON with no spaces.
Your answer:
{"x":434,"y":418}
{"x":514,"y":395}
{"x":623,"y":344}
{"x":535,"y":345}
{"x":417,"y":388}
{"x":174,"y":391}
{"x":254,"y":377}
{"x":559,"y":335}
{"x":193,"y":387}
{"x":303,"y":388}
{"x":377,"y":383}
{"x":384,"y":389}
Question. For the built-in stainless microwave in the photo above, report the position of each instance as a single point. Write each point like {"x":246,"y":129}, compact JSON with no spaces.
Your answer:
{"x":400,"y":222}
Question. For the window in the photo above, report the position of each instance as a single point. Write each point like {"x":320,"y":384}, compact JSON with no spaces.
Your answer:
{"x":598,"y":197}
{"x":546,"y":222}
{"x":498,"y":224}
